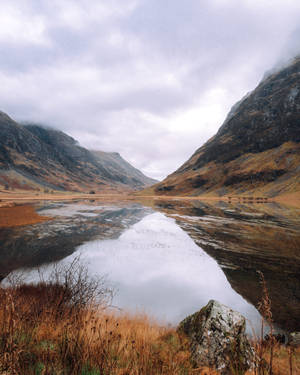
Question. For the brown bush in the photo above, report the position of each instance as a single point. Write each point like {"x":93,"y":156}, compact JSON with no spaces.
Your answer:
{"x":64,"y":326}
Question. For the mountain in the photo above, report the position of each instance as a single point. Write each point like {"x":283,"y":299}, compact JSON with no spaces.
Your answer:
{"x":123,"y":171}
{"x":256,"y":150}
{"x":34,"y":157}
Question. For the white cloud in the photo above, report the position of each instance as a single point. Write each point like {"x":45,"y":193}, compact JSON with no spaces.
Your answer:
{"x":77,"y":15}
{"x":152,"y":80}
{"x":19,"y":27}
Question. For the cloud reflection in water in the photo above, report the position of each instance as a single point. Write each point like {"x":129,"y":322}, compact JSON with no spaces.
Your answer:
{"x":157,"y":268}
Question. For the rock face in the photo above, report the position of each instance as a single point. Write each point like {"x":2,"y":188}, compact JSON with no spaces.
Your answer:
{"x":256,"y":150}
{"x":34,"y":157}
{"x":217,"y":338}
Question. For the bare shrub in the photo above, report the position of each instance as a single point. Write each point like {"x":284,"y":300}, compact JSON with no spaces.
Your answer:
{"x":58,"y":327}
{"x":81,"y":289}
{"x":83,"y":340}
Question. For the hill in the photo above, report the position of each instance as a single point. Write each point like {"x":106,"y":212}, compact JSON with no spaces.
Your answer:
{"x":122,"y":170}
{"x":33,"y":157}
{"x":255,"y":151}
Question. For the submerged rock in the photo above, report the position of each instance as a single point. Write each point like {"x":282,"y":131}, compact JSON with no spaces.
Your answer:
{"x":217,"y":338}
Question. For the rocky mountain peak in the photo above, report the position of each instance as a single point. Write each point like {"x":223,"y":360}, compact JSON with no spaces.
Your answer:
{"x":251,"y":147}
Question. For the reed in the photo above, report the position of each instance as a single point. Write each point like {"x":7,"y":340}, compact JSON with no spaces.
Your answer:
{"x":64,"y":326}
{"x":271,"y":356}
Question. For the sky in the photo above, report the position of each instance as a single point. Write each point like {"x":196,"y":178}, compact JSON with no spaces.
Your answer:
{"x":150,"y":79}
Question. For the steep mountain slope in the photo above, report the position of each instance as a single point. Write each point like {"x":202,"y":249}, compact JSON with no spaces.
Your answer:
{"x":33,"y":157}
{"x":122,"y":170}
{"x":256,"y":150}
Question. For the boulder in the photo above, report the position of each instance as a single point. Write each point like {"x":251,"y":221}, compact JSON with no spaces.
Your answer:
{"x":217,"y":339}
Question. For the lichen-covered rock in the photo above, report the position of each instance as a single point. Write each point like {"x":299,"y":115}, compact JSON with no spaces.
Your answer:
{"x":217,"y":338}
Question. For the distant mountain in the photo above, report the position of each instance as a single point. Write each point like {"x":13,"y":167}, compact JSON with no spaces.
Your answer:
{"x":256,"y":150}
{"x":122,"y":171}
{"x":35,"y":157}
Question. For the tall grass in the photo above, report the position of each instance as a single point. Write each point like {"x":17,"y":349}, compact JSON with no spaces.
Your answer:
{"x":271,"y":357}
{"x":63,"y":326}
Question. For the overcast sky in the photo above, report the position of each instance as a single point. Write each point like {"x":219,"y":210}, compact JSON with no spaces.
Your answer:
{"x":151,"y":79}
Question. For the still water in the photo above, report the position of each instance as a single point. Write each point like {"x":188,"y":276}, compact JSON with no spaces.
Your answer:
{"x":156,"y":267}
{"x":170,"y":259}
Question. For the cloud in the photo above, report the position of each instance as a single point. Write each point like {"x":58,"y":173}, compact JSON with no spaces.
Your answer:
{"x":152,"y":80}
{"x":17,"y":27}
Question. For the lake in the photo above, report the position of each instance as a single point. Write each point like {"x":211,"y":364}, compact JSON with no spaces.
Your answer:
{"x":169,"y":258}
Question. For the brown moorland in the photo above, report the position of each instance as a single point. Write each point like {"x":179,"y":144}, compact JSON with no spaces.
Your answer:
{"x":20,"y":215}
{"x":16,"y":215}
{"x":52,"y":329}
{"x":255,"y":151}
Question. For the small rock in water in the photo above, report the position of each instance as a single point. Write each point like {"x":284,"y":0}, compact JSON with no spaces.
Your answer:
{"x":294,"y":339}
{"x":217,"y":338}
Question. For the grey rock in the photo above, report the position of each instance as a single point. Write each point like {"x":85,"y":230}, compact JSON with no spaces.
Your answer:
{"x":217,"y":339}
{"x":294,"y":339}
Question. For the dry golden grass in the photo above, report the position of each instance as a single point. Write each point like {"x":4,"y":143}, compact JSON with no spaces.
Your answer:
{"x":43,"y":333}
{"x":281,"y":360}
{"x":10,"y":199}
{"x":47,"y":329}
{"x":19,"y":215}
{"x":244,"y":170}
{"x":292,"y":199}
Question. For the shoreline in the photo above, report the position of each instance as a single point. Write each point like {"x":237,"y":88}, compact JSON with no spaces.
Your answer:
{"x":17,"y":208}
{"x":7,"y":198}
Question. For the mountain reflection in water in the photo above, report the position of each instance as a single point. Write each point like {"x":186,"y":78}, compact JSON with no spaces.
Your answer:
{"x":170,"y":263}
{"x":73,"y":225}
{"x":157,"y":267}
{"x":245,"y":239}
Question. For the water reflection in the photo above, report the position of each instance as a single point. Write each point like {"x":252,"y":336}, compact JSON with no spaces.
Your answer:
{"x":156,"y":267}
{"x":72,"y":225}
{"x":245,"y":239}
{"x":170,"y":258}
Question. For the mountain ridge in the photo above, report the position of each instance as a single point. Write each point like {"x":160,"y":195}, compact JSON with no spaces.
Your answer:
{"x":255,"y":151}
{"x":34,"y":157}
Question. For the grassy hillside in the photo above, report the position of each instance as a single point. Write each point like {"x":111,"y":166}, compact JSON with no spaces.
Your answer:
{"x":33,"y":157}
{"x":256,"y":150}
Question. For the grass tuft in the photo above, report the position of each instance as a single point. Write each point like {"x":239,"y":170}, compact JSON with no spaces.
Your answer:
{"x":63,"y":326}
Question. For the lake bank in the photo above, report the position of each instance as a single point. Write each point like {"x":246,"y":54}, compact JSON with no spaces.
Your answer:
{"x":152,"y":250}
{"x":9,"y":198}
{"x":50,"y":328}
{"x":157,"y":252}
